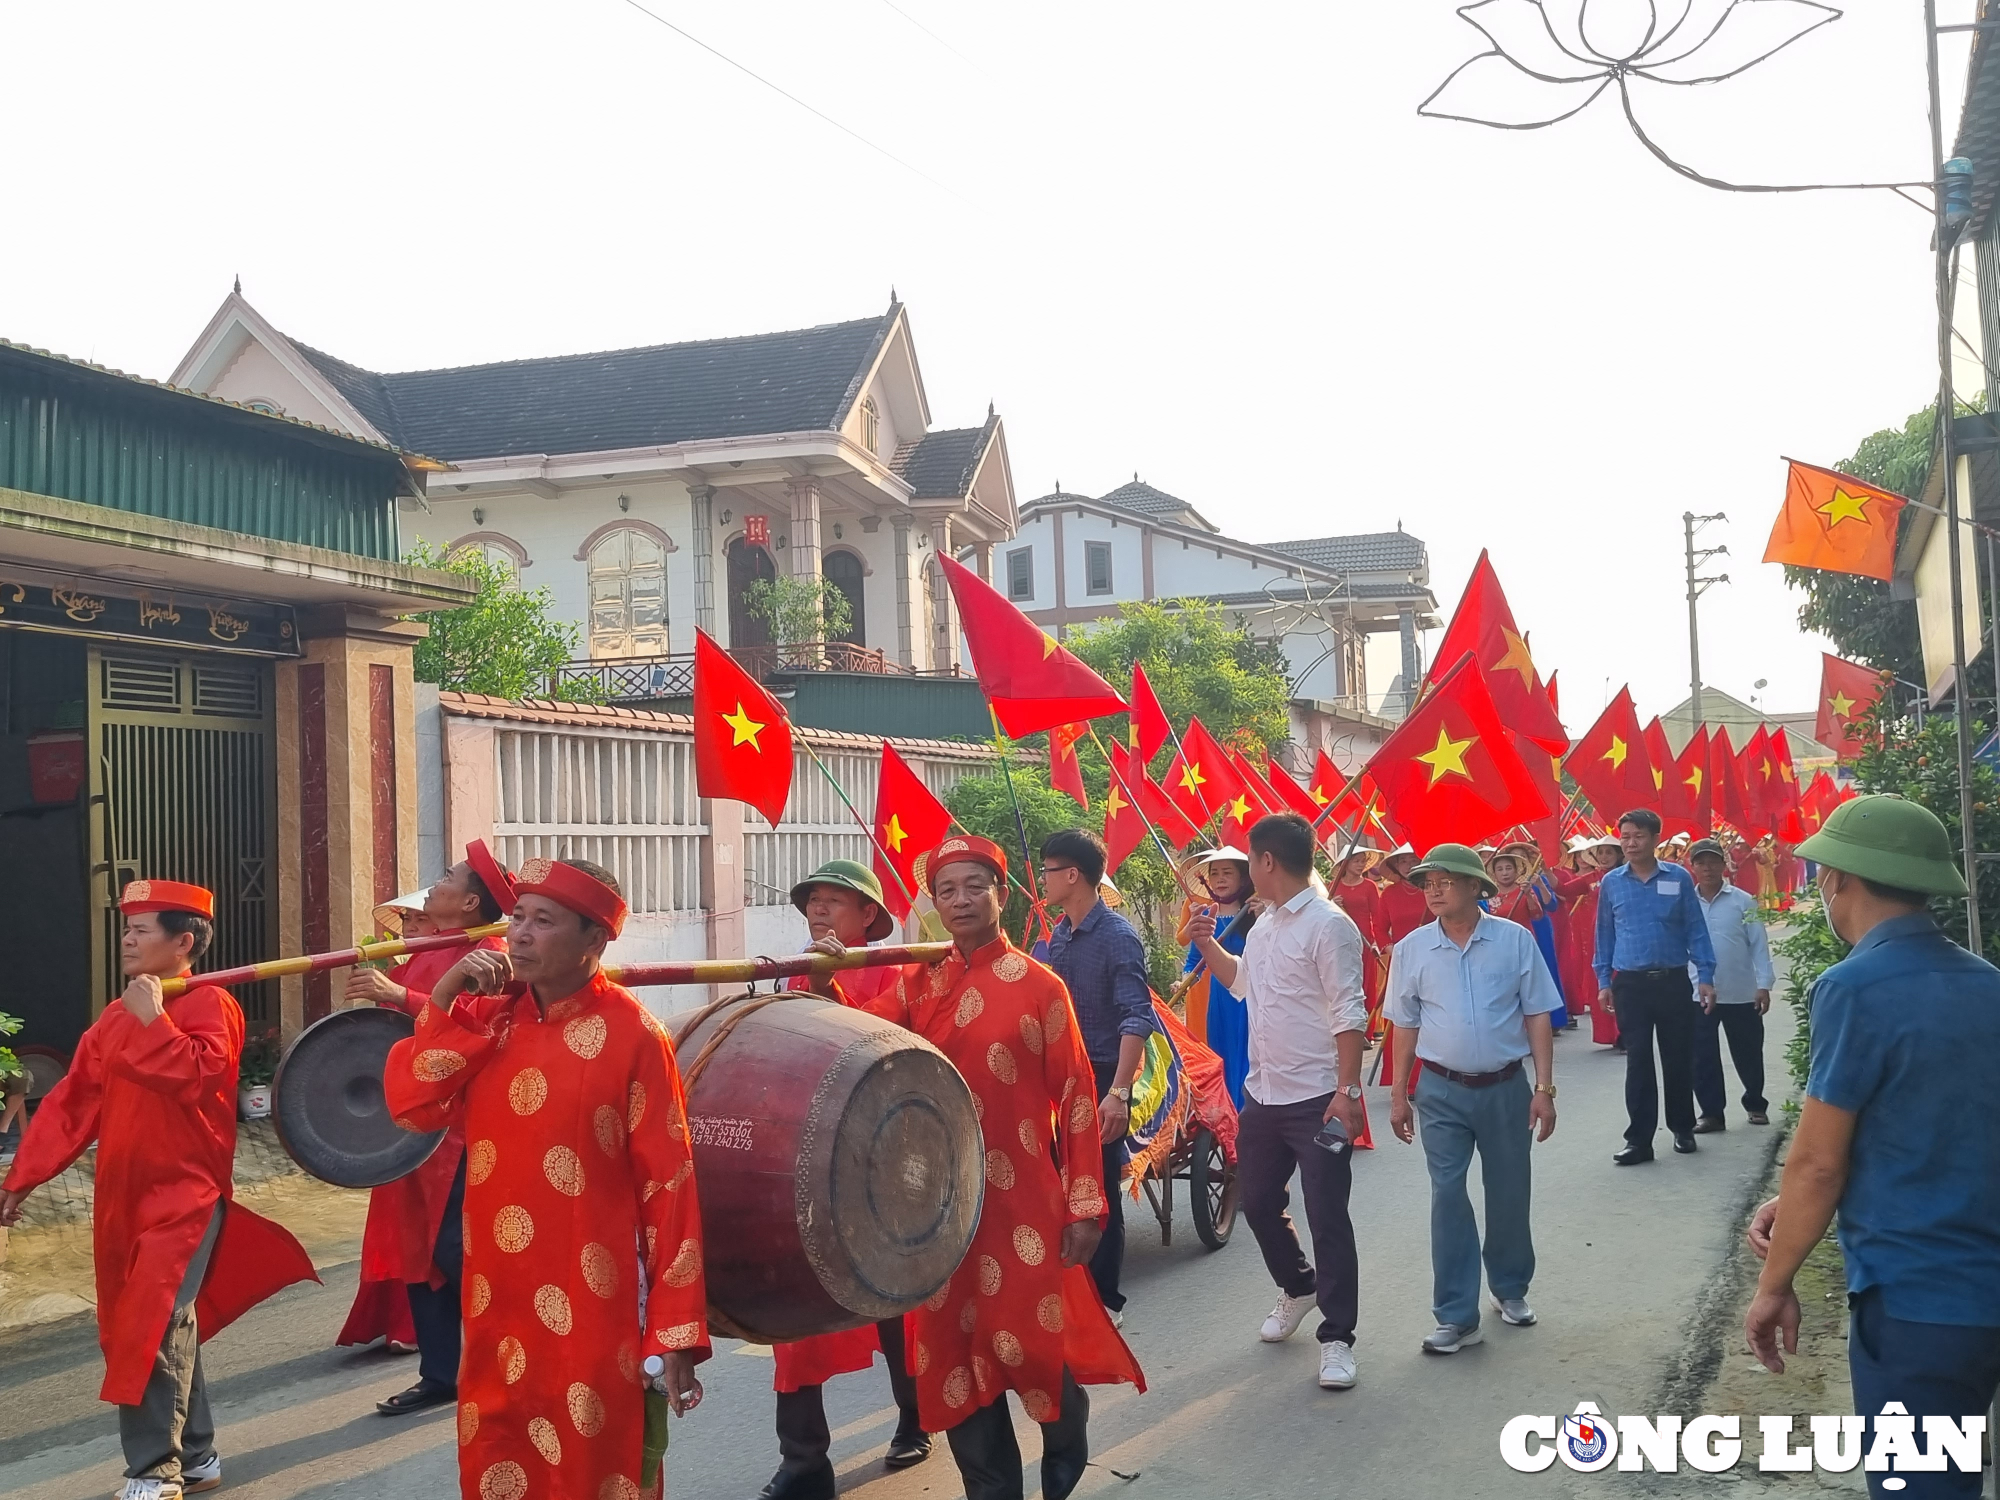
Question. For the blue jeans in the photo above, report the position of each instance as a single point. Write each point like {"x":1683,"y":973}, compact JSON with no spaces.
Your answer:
{"x":1455,"y":1118}
{"x":1934,"y":1369}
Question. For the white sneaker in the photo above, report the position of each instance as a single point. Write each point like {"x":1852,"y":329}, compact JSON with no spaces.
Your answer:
{"x":1117,"y":1316}
{"x":199,"y":1478}
{"x":1285,"y":1318}
{"x":1449,"y":1338}
{"x":1336,"y":1366}
{"x":1515,"y":1310}
{"x":151,"y":1489}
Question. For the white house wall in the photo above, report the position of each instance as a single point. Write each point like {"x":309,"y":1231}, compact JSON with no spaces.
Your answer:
{"x":255,"y":375}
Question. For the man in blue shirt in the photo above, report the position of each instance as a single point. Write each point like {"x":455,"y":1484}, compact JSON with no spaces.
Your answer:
{"x":1650,"y":929}
{"x":1899,"y":1134}
{"x":1098,"y":955}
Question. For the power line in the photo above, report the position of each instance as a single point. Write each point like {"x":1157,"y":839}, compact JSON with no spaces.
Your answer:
{"x":716,"y":52}
{"x":932,"y":34}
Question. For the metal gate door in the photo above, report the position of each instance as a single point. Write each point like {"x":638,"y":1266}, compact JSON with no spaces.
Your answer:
{"x":183,"y":783}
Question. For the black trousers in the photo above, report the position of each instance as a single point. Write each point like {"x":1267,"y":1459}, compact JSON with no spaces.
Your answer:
{"x":1107,"y":1261}
{"x":1934,"y":1369}
{"x":435,"y":1311}
{"x":1746,"y":1049}
{"x":1272,"y":1141}
{"x":1650,"y":1003}
{"x":803,"y":1436}
{"x":989,"y":1458}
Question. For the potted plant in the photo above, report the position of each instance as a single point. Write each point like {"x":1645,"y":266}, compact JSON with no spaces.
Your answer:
{"x":254,"y":1075}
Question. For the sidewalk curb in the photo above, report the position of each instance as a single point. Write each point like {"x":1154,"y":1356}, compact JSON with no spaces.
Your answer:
{"x":1711,"y":1322}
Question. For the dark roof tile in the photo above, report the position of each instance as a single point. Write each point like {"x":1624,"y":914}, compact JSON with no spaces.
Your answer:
{"x":1375,"y":551}
{"x":940,"y":465}
{"x":799,"y":381}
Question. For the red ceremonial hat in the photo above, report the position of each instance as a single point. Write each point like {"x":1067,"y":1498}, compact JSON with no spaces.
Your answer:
{"x":166,"y":895}
{"x":962,"y":846}
{"x":568,"y":886}
{"x":492,"y":874}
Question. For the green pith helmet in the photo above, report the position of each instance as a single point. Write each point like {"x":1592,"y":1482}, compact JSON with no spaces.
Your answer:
{"x":1890,"y":840}
{"x":1454,"y":859}
{"x":853,"y":876}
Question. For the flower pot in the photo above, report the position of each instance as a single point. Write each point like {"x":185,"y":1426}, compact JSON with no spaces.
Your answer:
{"x":254,"y":1101}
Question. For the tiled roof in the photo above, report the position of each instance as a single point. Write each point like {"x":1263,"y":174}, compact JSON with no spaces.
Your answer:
{"x":940,"y":465}
{"x":1371,"y":552}
{"x":799,"y":381}
{"x":606,"y":716}
{"x":1356,"y":590}
{"x":1142,"y":497}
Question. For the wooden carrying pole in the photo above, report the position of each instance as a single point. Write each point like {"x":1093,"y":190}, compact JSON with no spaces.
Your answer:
{"x":695,"y":971}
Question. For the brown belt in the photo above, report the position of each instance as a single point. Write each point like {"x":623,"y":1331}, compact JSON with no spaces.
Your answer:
{"x":1475,"y":1080}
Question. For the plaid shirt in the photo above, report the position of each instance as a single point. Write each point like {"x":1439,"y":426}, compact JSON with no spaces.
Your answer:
{"x":1103,"y":963}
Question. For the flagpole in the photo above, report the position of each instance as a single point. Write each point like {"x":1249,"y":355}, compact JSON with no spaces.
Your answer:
{"x":841,"y":792}
{"x":1131,"y":801}
{"x":1006,"y":770}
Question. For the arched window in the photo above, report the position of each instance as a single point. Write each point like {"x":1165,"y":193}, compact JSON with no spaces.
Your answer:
{"x":747,"y":563}
{"x":497,"y":547}
{"x":871,"y":424}
{"x":626,"y":569}
{"x":844,"y":570}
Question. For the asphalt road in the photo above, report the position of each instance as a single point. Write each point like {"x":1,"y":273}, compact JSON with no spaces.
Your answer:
{"x":1626,"y":1256}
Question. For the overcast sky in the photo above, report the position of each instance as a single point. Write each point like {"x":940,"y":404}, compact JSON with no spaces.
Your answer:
{"x":1213,"y":246}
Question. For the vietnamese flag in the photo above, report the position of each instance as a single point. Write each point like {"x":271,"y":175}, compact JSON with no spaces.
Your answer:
{"x":1725,"y":783}
{"x":1610,"y":762}
{"x":1756,"y":774}
{"x":1327,"y":782}
{"x":1147,"y":726}
{"x":1032,"y":682}
{"x":1449,"y":772}
{"x":1847,"y":690}
{"x":1785,"y":790}
{"x":1483,"y":625}
{"x":1358,"y":813}
{"x":1124,"y":827}
{"x":1835,"y":523}
{"x":909,"y":822}
{"x":1291,"y":796}
{"x":1154,"y":804}
{"x":1674,"y":799}
{"x":1690,"y":773}
{"x":1065,"y":771}
{"x":742,"y":740}
{"x":1201,"y":780}
{"x":1547,"y":771}
{"x":1263,"y":800}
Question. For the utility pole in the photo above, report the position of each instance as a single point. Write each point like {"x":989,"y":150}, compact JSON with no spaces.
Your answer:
{"x":1946,"y":234}
{"x":1696,"y":587}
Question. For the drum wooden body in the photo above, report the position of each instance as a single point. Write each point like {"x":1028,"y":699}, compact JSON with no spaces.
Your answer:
{"x":840,"y":1166}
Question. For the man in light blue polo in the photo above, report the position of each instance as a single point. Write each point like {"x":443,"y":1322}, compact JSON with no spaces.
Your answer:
{"x":1473,"y":995}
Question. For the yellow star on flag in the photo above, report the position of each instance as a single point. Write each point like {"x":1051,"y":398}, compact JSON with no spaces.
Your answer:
{"x":1113,"y":803}
{"x":1320,"y":797}
{"x":1659,"y":778}
{"x":1842,"y":706}
{"x":1845,"y":507}
{"x":1049,"y":645}
{"x":1516,"y":657}
{"x":1447,"y":757}
{"x":1191,"y":777}
{"x":744,"y":728}
{"x":1694,"y":779}
{"x":1767,"y":769}
{"x":894,"y":834}
{"x":1616,"y":754}
{"x":1239,"y":807}
{"x":1784,"y":770}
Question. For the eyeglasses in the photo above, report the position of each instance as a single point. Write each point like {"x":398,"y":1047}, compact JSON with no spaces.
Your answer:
{"x":1439,"y":884}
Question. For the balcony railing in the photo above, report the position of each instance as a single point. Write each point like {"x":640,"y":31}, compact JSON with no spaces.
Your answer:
{"x":625,"y":678}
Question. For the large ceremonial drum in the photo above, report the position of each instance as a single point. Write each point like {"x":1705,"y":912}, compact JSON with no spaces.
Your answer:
{"x":839,"y":1162}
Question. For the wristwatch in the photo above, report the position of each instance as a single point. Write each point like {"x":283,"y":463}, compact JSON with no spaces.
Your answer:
{"x":1122,"y":1095}
{"x":1546,"y":1088}
{"x":1351,"y":1090}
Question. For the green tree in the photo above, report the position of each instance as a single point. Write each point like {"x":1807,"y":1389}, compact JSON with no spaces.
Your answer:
{"x":1856,"y":613}
{"x":800,"y":611}
{"x":504,"y":642}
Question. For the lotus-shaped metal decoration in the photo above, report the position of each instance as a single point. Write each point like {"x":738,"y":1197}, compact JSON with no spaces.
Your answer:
{"x":1552,"y":59}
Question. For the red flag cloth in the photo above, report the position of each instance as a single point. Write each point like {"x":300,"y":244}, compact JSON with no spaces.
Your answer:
{"x":1327,"y":782}
{"x":1554,"y":701}
{"x":1065,"y":772}
{"x":1359,"y":813}
{"x":1483,"y":625}
{"x":1610,"y":761}
{"x":1262,"y":798}
{"x":1756,"y":773}
{"x":1032,"y":682}
{"x":1836,"y":523}
{"x":1725,"y":786}
{"x":1291,"y":796}
{"x":1690,"y":773}
{"x":742,"y":739}
{"x":909,"y":822}
{"x":1147,"y":728}
{"x":1673,"y":799}
{"x":1200,"y":780}
{"x":1784,"y":798}
{"x":1124,"y":828}
{"x":1819,"y":799}
{"x":1847,"y":690}
{"x":1547,"y":770}
{"x":1449,"y":772}
{"x":1160,"y":809}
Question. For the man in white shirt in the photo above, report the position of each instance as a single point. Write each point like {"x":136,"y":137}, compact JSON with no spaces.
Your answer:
{"x":1743,"y":980}
{"x":1474,"y":995}
{"x":1300,"y":979}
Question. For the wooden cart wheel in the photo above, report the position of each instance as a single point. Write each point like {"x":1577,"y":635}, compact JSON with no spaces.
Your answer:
{"x":1212,"y":1180}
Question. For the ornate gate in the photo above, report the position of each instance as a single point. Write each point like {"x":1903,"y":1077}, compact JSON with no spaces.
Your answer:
{"x":183,"y":783}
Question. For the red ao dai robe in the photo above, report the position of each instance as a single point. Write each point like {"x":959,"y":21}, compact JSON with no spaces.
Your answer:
{"x":578,"y":1178}
{"x":1012,"y":1316}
